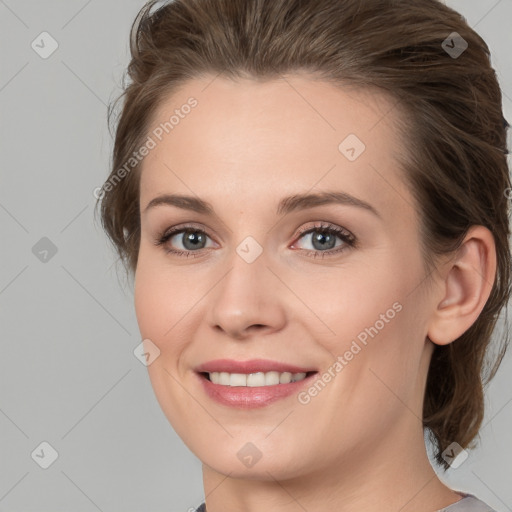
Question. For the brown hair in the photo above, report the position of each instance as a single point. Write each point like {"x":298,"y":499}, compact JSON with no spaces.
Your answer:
{"x":454,"y":134}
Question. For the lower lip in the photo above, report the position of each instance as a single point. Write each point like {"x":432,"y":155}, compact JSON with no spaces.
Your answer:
{"x":251,"y":397}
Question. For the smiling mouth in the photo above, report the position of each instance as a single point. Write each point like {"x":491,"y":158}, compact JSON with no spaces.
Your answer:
{"x":258,"y":379}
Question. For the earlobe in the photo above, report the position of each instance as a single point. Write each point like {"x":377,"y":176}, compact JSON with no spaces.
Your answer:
{"x":467,"y":284}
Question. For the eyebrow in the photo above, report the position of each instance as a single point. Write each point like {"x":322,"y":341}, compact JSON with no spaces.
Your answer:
{"x":286,"y":205}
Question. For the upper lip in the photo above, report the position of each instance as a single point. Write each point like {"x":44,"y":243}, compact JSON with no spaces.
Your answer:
{"x":250,"y":366}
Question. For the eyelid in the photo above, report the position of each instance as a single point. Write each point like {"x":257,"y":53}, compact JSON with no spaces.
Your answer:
{"x":324,"y":225}
{"x":183,"y":227}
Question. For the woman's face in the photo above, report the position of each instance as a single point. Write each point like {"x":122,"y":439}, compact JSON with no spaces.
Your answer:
{"x":260,"y":278}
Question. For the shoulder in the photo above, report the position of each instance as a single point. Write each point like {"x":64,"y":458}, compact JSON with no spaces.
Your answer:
{"x":469,"y":503}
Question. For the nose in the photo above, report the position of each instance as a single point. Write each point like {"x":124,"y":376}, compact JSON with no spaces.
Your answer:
{"x":248,"y":300}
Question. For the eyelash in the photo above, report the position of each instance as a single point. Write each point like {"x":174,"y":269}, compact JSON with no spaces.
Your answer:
{"x":349,"y":240}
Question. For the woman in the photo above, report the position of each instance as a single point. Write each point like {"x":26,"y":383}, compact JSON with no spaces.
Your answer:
{"x":312,"y":199}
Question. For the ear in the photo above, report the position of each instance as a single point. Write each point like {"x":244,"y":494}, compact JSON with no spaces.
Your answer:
{"x":466,"y":284}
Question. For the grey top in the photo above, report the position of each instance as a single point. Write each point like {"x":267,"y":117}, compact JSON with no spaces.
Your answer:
{"x":468,"y":503}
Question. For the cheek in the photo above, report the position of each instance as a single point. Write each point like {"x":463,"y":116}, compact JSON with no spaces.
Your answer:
{"x":351,"y":301}
{"x":159,"y":302}
{"x":159,"y":309}
{"x":148,"y":301}
{"x":376,"y":317}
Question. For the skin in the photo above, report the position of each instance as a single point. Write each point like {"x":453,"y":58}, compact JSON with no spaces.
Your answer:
{"x":358,"y":444}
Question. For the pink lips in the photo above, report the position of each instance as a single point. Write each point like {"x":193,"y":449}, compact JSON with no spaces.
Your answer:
{"x":251,"y":366}
{"x":250,"y":397}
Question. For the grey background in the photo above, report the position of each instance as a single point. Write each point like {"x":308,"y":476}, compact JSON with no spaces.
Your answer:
{"x":68,"y":374}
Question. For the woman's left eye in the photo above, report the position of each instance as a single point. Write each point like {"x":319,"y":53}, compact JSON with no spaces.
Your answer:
{"x":324,"y":238}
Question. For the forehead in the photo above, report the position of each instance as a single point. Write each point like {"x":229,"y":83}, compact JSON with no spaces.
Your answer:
{"x":260,"y":139}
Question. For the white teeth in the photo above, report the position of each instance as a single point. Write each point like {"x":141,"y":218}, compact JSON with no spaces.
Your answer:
{"x":254,"y":379}
{"x":237,"y":379}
